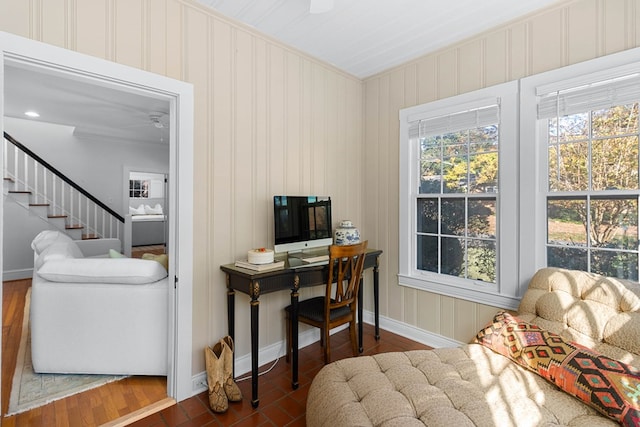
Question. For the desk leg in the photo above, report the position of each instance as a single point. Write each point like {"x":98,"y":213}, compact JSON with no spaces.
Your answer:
{"x":231,"y":308}
{"x":294,"y":333}
{"x":360,"y":317}
{"x":376,"y":297}
{"x":255,"y":307}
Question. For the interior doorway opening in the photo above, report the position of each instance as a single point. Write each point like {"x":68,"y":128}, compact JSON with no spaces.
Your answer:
{"x":105,"y":76}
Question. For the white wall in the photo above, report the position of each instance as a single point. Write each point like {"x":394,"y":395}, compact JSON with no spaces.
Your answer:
{"x":96,"y":164}
{"x":19,"y":229}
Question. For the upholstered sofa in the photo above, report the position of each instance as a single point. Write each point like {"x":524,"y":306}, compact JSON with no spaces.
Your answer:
{"x":526,"y":369}
{"x":94,"y":314}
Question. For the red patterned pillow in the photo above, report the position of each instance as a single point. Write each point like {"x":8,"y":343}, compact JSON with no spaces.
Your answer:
{"x":610,"y":386}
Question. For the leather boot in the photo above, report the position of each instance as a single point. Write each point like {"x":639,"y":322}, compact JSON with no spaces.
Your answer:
{"x":215,"y":378}
{"x":230,"y":387}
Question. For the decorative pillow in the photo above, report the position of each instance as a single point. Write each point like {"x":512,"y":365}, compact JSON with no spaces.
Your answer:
{"x":46,"y":238}
{"x":156,"y":210}
{"x":609,"y":386}
{"x":115,"y":254}
{"x":58,"y":251}
{"x":163,"y":259}
{"x":137,"y":211}
{"x":129,"y":271}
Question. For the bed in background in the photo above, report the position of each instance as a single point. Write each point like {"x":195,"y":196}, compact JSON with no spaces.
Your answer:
{"x":147,"y":225}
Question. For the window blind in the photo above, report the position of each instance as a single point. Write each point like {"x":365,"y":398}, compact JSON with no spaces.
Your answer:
{"x":593,"y":96}
{"x":459,"y":121}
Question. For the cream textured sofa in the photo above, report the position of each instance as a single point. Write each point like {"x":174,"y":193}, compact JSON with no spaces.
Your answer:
{"x":91,"y":314}
{"x":475,"y":386}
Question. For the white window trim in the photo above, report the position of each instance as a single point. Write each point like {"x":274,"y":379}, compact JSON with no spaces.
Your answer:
{"x":507,"y":291}
{"x":533,"y":147}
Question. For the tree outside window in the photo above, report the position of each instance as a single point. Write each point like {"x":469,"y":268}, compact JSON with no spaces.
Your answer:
{"x":456,"y":209}
{"x":592,"y":203}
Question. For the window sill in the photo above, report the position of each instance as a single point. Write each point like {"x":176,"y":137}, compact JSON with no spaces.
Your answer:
{"x":451,"y":290}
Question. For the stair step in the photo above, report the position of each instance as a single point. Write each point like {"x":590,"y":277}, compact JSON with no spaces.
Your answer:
{"x":9,"y":179}
{"x":56,"y":216}
{"x":74,"y":227}
{"x":19,"y":192}
{"x":39,"y":204}
{"x":90,"y":236}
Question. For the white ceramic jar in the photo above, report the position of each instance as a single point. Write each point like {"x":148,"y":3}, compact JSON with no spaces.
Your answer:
{"x":346,"y":234}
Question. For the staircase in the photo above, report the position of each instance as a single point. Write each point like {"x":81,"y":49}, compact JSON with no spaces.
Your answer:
{"x":44,"y":191}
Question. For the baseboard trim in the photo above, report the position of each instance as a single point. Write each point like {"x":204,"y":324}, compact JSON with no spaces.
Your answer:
{"x":275,"y":351}
{"x":24,"y":273}
{"x":412,"y":332}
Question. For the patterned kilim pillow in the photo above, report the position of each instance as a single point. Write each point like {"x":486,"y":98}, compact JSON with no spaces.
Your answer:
{"x":610,"y":386}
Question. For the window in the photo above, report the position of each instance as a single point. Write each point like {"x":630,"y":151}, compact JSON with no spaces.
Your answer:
{"x":456,"y":201}
{"x":459,"y":156}
{"x":587,"y":139}
{"x":139,"y":188}
{"x":500,"y":182}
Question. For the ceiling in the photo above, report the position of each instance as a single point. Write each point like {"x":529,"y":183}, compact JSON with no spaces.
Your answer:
{"x":93,"y":109}
{"x":361,"y":37}
{"x":365,"y":37}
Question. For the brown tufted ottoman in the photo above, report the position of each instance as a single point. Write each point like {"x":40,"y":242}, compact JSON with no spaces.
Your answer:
{"x":472,"y":385}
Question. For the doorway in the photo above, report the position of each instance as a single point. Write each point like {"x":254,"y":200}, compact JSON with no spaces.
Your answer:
{"x":31,"y":55}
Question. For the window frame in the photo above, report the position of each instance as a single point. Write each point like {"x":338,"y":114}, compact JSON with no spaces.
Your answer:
{"x":506,"y":291}
{"x":534,"y":146}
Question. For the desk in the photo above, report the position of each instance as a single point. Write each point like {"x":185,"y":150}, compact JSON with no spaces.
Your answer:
{"x":255,"y":283}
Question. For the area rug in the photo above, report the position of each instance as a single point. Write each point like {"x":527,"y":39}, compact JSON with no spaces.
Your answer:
{"x":30,"y":390}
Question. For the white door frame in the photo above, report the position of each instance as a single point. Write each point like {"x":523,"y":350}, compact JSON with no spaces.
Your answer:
{"x":52,"y":59}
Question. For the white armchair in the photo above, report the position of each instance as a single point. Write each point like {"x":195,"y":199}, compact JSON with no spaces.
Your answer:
{"x":96,"y":315}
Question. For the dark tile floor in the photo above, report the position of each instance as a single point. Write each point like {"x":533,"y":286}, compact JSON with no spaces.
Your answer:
{"x":279,"y":404}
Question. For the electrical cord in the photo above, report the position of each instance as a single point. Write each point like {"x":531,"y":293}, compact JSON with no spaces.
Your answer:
{"x":273,"y":365}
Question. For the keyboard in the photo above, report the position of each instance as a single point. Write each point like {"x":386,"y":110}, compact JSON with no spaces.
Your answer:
{"x":315,"y":259}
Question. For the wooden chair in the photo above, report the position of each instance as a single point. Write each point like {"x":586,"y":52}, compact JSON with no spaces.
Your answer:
{"x":338,"y":306}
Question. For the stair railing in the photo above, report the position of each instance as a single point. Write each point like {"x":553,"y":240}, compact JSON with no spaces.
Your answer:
{"x":64,"y":197}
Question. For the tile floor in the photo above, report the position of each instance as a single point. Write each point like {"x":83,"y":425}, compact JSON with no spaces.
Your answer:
{"x":279,"y":404}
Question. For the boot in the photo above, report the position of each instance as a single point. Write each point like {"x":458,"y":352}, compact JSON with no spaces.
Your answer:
{"x":215,"y":378}
{"x":230,"y":387}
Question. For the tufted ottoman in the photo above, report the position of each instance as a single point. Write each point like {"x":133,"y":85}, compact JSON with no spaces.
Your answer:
{"x":474,"y":386}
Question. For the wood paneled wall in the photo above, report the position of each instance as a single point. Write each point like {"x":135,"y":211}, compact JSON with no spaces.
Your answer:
{"x":268,"y":120}
{"x":570,"y":32}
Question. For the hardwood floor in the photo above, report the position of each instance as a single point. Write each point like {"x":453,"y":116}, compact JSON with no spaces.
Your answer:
{"x":279,"y":404}
{"x":91,"y":408}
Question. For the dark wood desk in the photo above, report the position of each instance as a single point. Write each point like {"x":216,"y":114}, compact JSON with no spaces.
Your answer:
{"x":255,"y":284}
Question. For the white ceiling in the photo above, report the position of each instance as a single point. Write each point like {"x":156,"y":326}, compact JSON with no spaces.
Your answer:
{"x":365,"y":37}
{"x":92,"y":109}
{"x":361,"y":37}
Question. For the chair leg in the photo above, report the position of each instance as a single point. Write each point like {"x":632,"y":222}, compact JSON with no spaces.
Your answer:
{"x":288,"y":337}
{"x":354,"y":337}
{"x":327,"y":350}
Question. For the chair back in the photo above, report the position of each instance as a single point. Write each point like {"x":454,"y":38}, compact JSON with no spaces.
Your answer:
{"x":345,"y":270}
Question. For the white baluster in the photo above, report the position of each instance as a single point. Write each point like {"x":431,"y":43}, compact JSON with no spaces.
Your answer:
{"x":54,"y":182}
{"x":15,"y":165}
{"x":44,"y":184}
{"x":26,"y":172}
{"x":70,"y":208}
{"x":35,"y":180}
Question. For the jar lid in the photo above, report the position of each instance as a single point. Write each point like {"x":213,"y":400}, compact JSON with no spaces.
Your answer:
{"x":346,"y":223}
